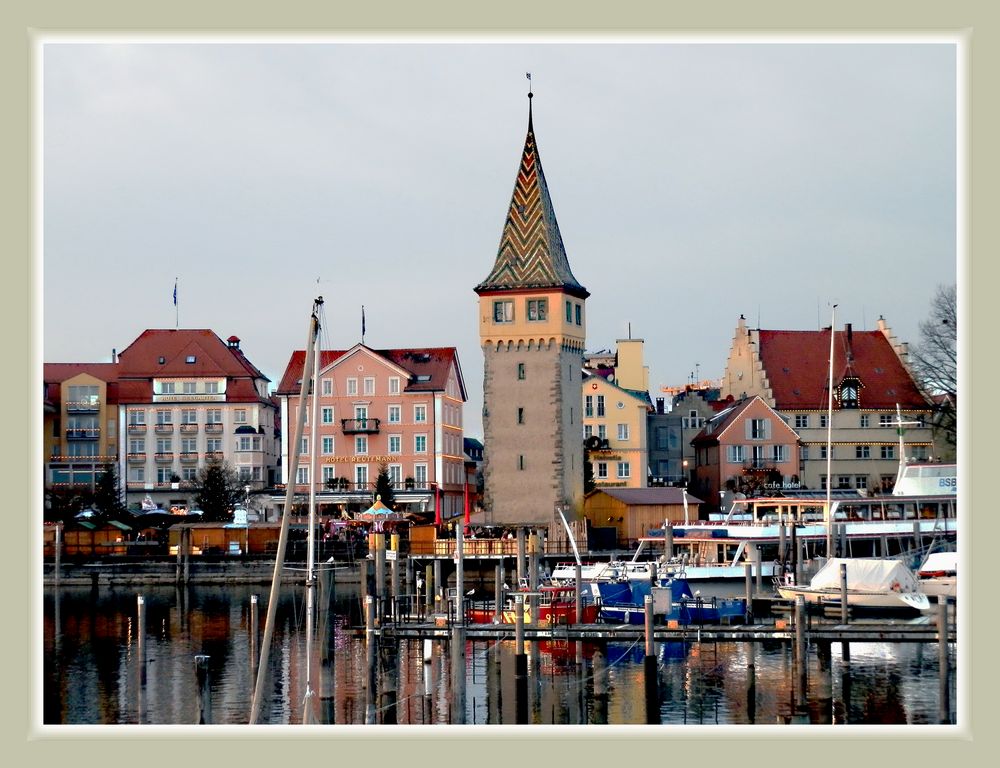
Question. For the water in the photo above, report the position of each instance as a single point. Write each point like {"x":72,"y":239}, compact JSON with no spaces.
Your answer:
{"x":92,"y":673}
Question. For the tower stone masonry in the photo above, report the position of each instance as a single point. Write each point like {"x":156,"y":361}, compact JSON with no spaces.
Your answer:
{"x":532,"y":329}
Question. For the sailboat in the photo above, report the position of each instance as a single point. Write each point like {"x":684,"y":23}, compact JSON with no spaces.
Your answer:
{"x":310,"y":374}
{"x":880,"y":583}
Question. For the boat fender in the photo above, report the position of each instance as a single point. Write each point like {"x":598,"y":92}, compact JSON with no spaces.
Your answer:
{"x":895,"y":586}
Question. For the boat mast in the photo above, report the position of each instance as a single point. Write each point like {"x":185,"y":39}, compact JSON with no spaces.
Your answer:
{"x":827,"y":512}
{"x":307,"y":708}
{"x":279,"y":560}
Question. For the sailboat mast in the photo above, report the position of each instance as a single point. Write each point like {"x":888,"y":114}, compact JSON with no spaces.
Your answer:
{"x":828,"y":512}
{"x":307,"y":708}
{"x":272,"y":604}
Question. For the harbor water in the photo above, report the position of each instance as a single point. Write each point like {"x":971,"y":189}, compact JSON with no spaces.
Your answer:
{"x":101,"y":667}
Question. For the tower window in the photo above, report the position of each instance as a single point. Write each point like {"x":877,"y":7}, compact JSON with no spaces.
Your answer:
{"x":538,"y":309}
{"x":520,"y":371}
{"x":569,"y":311}
{"x":579,"y":315}
{"x":520,"y":461}
{"x":520,"y":415}
{"x":503,"y":311}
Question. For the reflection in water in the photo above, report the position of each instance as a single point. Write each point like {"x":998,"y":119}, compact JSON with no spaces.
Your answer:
{"x":95,"y":671}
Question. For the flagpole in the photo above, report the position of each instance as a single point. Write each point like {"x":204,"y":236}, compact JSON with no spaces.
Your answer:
{"x":177,"y":311}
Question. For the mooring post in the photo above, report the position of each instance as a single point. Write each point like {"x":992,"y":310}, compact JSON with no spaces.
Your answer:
{"x":459,"y":574}
{"x":649,"y":670}
{"x":579,"y":594}
{"x":520,"y":664}
{"x":394,"y":577}
{"x":668,"y":541}
{"x":781,"y":542}
{"x":757,"y":566}
{"x":800,"y":649}
{"x":458,"y":673}
{"x":380,"y":573}
{"x":944,"y":695}
{"x":748,"y":583}
{"x":845,"y":613}
{"x":253,"y":638}
{"x":520,"y":556}
{"x":497,"y":593}
{"x":58,"y":553}
{"x":430,"y":586}
{"x":140,"y":653}
{"x":187,"y":555}
{"x":533,"y":577}
{"x":749,"y":649}
{"x":438,"y":588}
{"x":371,"y":642}
{"x":651,"y":573}
{"x":204,"y":690}
{"x":796,"y":571}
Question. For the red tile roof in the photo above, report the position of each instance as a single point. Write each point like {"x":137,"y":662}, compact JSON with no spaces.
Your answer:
{"x":796,"y":364}
{"x":213,"y":357}
{"x":432,"y":362}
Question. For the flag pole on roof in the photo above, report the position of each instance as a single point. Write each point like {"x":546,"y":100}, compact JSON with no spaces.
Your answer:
{"x":362,"y":323}
{"x":177,"y":316}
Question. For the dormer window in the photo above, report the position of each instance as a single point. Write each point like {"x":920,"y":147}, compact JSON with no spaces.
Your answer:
{"x":849,"y":393}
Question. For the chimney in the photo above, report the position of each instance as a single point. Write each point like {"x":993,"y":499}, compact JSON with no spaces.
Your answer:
{"x":114,"y":355}
{"x":849,"y":335}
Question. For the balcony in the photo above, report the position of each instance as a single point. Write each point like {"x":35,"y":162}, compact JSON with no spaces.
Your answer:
{"x":137,"y":458}
{"x":164,"y":429}
{"x":213,"y":428}
{"x":214,"y":456}
{"x":164,"y":457}
{"x":189,"y":428}
{"x":360,"y":426}
{"x":189,"y":457}
{"x":83,"y":406}
{"x":137,"y":429}
{"x":88,"y":433}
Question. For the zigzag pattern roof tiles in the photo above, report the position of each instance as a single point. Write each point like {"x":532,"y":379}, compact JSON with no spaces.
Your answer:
{"x":531,"y":253}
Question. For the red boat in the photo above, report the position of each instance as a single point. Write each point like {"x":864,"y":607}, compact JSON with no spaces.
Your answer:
{"x":557,"y":605}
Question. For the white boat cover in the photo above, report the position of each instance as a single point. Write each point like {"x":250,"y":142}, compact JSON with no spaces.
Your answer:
{"x":869,"y":575}
{"x":940,"y":562}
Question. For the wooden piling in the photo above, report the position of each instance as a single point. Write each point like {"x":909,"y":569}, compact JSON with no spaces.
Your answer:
{"x":648,"y":608}
{"x":781,"y":542}
{"x":578,"y":603}
{"x":186,"y":535}
{"x":795,"y":555}
{"x":520,"y":664}
{"x":944,"y":692}
{"x":380,"y":568}
{"x":254,"y":634}
{"x":668,"y":540}
{"x":760,"y":576}
{"x":371,"y":643}
{"x":800,"y":650}
{"x":58,"y":553}
{"x":519,"y":625}
{"x":459,"y":574}
{"x":750,"y":650}
{"x":748,"y":583}
{"x":458,"y":674}
{"x":533,"y":577}
{"x":521,"y":568}
{"x":430,"y":586}
{"x":845,"y":612}
{"x":204,"y":690}
{"x":497,"y":593}
{"x":394,"y":577}
{"x":140,"y":655}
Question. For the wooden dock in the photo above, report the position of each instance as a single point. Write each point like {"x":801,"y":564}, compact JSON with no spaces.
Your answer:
{"x":867,"y":632}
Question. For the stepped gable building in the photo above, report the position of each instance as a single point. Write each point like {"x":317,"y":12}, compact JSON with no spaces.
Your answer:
{"x":789,"y":370}
{"x":188,"y":398}
{"x":532,"y":329}
{"x":401,"y":408}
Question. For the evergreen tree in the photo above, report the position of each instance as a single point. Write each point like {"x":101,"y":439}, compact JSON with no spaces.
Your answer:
{"x":108,"y":494}
{"x":383,"y":486}
{"x":220,"y":492}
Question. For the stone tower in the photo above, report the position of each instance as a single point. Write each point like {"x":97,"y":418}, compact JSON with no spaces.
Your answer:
{"x":532,"y":328}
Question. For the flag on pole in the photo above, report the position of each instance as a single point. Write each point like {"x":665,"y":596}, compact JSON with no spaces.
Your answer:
{"x":362,"y":323}
{"x":175,"y":291}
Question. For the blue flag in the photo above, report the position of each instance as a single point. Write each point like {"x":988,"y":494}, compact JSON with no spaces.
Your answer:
{"x":175,"y":291}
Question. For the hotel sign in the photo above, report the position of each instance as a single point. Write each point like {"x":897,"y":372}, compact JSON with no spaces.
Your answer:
{"x":361,"y":459}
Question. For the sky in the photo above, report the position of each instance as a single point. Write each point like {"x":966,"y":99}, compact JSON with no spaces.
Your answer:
{"x":694,"y":180}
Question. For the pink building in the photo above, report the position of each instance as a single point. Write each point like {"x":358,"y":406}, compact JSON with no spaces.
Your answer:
{"x":745,"y":448}
{"x":398,"y":408}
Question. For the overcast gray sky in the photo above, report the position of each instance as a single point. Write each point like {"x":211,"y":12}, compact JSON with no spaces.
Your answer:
{"x":692,"y":181}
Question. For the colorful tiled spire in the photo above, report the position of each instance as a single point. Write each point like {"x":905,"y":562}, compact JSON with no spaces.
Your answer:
{"x":531,"y":253}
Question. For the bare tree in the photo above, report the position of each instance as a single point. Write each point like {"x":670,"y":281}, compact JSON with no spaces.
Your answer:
{"x":935,"y":359}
